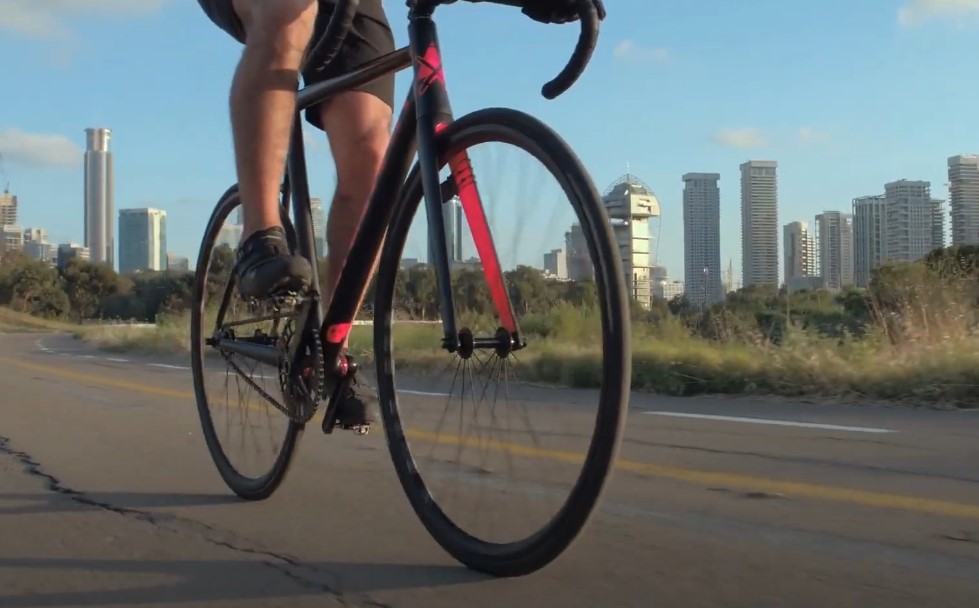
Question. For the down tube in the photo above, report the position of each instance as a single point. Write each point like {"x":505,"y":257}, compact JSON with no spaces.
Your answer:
{"x":356,"y":273}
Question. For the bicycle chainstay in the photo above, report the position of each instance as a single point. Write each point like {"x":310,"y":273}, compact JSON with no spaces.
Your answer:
{"x":305,"y":403}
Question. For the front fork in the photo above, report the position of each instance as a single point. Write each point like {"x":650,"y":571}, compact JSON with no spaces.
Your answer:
{"x":433,"y":115}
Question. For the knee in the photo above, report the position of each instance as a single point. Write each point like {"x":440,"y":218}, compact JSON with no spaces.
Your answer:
{"x":283,"y":27}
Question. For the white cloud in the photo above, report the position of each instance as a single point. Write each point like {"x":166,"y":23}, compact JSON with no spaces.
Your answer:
{"x":39,"y":149}
{"x":47,"y":19}
{"x":746,"y":137}
{"x":628,"y":50}
{"x":916,"y":12}
{"x":808,"y":135}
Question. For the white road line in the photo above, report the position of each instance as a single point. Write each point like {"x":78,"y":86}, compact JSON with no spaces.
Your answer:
{"x":117,"y":360}
{"x":422,"y":393}
{"x":164,"y":365}
{"x":805,"y":425}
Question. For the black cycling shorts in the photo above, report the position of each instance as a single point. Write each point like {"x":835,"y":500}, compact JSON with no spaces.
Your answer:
{"x":369,"y":38}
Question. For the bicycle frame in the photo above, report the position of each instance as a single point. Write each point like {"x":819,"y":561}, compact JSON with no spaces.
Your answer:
{"x":425,"y":113}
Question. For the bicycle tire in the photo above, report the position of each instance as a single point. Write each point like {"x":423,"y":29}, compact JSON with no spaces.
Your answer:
{"x":248,"y":488}
{"x":538,"y":550}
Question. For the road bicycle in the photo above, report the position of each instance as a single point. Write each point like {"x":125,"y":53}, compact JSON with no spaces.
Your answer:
{"x":306,"y":343}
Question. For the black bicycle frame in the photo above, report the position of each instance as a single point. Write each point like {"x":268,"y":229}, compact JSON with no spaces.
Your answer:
{"x":425,"y":112}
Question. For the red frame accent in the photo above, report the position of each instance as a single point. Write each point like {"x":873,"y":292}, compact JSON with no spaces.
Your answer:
{"x":472,"y":205}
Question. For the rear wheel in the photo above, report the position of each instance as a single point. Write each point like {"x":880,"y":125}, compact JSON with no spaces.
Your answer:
{"x":554,"y":357}
{"x":238,"y":397}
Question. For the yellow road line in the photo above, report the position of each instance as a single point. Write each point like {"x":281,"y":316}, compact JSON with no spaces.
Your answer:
{"x":693,"y":476}
{"x":718,"y":478}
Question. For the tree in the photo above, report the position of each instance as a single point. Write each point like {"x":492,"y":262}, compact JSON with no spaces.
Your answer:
{"x":33,"y":287}
{"x":88,"y":285}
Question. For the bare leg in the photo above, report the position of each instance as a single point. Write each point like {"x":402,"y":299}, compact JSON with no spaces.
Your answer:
{"x":263,"y":100}
{"x":263,"y":103}
{"x":358,"y":125}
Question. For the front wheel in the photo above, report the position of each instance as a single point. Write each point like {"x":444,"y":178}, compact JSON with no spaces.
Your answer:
{"x":555,"y":309}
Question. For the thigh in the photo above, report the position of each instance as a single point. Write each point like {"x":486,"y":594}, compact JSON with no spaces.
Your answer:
{"x":358,"y":126}
{"x":370,"y":37}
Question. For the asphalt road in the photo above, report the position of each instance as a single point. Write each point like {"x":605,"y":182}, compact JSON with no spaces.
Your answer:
{"x":108,"y":498}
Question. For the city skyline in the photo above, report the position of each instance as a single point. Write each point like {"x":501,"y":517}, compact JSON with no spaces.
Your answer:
{"x":820,"y":138}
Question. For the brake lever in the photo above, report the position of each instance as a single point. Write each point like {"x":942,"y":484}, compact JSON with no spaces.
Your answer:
{"x":590,"y":16}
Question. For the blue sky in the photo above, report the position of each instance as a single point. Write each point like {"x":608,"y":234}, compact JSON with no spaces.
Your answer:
{"x":844,"y":94}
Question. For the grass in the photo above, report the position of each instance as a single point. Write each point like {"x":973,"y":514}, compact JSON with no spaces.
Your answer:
{"x":13,"y":321}
{"x":931,"y":356}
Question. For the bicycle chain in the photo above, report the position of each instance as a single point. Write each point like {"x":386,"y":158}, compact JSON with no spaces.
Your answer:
{"x":290,"y":413}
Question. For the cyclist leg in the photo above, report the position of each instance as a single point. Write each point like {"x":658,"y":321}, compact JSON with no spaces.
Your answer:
{"x":262,"y":103}
{"x":358,"y":127}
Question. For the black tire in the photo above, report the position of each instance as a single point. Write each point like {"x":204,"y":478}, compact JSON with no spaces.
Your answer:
{"x":249,"y":488}
{"x":538,"y":550}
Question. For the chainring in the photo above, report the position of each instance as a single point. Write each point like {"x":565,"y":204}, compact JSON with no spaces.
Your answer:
{"x":301,"y":399}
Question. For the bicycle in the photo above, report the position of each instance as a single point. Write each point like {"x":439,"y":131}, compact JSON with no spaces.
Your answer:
{"x":306,"y":346}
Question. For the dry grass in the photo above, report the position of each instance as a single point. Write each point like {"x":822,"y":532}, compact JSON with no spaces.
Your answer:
{"x":13,"y":321}
{"x":927,"y":353}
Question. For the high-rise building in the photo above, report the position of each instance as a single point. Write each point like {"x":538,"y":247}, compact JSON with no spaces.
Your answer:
{"x":556,"y":263}
{"x":759,"y":223}
{"x":35,"y":235}
{"x":142,"y":239}
{"x":319,"y":226}
{"x":229,"y":235}
{"x":11,"y":238}
{"x":909,"y":220}
{"x":99,"y":197}
{"x":702,"y":277}
{"x":452,"y":218}
{"x":834,"y":237}
{"x":869,"y":237}
{"x":70,"y":251}
{"x":963,"y":178}
{"x":41,"y":251}
{"x":580,"y":267}
{"x":8,"y":208}
{"x":800,"y":254}
{"x":937,"y":223}
{"x":177,"y":263}
{"x":631,"y":204}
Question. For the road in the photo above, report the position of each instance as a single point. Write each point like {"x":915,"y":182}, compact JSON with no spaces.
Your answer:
{"x":108,"y":498}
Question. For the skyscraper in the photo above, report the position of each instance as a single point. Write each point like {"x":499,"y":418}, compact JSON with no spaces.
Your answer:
{"x":834,"y":236}
{"x":99,"y":203}
{"x":8,"y":208}
{"x":319,"y":226}
{"x":702,"y":238}
{"x":800,"y":255}
{"x":909,"y":219}
{"x":937,"y":223}
{"x":142,"y":239}
{"x":452,"y":218}
{"x":963,"y":178}
{"x":580,"y":267}
{"x":556,"y":263}
{"x":759,"y":223}
{"x":631,"y":205}
{"x":869,"y":237}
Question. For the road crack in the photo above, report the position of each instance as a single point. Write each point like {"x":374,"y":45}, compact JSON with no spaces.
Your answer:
{"x":305,"y":575}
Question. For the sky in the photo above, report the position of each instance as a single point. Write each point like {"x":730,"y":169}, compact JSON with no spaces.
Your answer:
{"x":845,"y":94}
